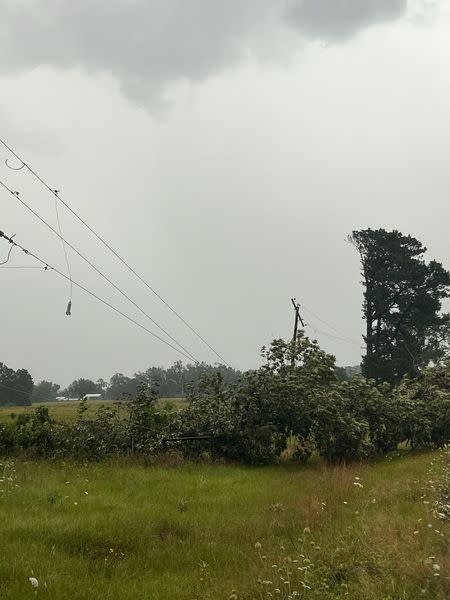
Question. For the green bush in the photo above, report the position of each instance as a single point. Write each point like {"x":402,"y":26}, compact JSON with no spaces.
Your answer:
{"x":296,"y":395}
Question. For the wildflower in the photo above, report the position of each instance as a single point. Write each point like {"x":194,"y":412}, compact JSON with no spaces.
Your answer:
{"x":34,"y":582}
{"x":436,"y":567}
{"x":307,"y":530}
{"x":358,"y":484}
{"x":345,"y":502}
{"x":258,"y":546}
{"x":416,"y":532}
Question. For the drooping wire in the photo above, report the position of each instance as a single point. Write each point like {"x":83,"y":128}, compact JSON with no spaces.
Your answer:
{"x":49,"y":267}
{"x":340,"y":336}
{"x":63,"y":243}
{"x":114,"y":252}
{"x":13,"y":389}
{"x":17,"y":196}
{"x":334,"y":337}
{"x":14,"y":168}
{"x":9,"y":254}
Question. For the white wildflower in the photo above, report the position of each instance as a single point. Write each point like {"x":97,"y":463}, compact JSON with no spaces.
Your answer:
{"x":34,"y":582}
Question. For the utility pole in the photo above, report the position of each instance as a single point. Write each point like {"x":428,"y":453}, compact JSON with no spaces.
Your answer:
{"x":298,"y":318}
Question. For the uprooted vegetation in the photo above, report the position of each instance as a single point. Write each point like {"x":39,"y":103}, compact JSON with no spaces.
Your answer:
{"x":295,"y":396}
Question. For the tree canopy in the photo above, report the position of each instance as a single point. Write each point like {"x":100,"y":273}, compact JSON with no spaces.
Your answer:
{"x":80,"y":387}
{"x":402,"y":301}
{"x":45,"y":391}
{"x":15,"y":387}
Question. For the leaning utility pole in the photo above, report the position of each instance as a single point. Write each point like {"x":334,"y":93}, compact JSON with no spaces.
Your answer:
{"x":298,"y":318}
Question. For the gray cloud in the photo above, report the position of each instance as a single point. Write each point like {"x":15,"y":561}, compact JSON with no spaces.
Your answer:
{"x":143,"y":43}
{"x":340,"y":19}
{"x":147,"y":44}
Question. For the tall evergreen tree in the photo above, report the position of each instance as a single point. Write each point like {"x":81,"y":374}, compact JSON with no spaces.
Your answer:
{"x":402,"y":303}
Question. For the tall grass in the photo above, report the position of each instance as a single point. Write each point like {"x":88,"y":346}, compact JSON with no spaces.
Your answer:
{"x":122,"y":531}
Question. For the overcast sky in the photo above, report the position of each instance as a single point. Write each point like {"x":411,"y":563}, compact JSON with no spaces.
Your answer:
{"x":225,"y":149}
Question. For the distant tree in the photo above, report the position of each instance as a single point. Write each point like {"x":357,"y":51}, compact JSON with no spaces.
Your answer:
{"x":179,"y":379}
{"x":102,"y":385}
{"x":15,"y":387}
{"x":402,"y":301}
{"x":120,"y":386}
{"x":345,"y":373}
{"x":80,"y":387}
{"x":45,"y":391}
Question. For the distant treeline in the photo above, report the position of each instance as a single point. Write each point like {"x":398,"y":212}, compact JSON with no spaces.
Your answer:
{"x":17,"y":387}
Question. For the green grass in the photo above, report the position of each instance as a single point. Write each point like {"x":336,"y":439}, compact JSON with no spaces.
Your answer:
{"x":126,"y":531}
{"x":67,"y":411}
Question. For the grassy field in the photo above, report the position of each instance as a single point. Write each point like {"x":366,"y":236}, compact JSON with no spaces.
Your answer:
{"x":67,"y":411}
{"x":127,"y":531}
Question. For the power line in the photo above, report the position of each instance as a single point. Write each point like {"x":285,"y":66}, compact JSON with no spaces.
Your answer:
{"x":334,"y":337}
{"x":111,"y":249}
{"x":47,"y":266}
{"x":21,"y":267}
{"x":58,"y":220}
{"x":8,"y":257}
{"x":12,"y":389}
{"x":339,"y":337}
{"x":16,"y":195}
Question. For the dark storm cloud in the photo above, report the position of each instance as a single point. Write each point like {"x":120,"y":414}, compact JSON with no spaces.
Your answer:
{"x":146,"y":44}
{"x":338,"y":20}
{"x":143,"y":43}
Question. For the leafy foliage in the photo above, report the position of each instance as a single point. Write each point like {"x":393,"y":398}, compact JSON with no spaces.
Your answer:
{"x":296,"y":395}
{"x":15,"y":387}
{"x":176,"y":381}
{"x":45,"y":391}
{"x":80,"y":387}
{"x":402,"y":300}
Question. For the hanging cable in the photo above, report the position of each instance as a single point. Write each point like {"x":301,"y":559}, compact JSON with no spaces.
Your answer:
{"x":96,"y":269}
{"x":114,"y":252}
{"x":9,"y":254}
{"x":14,"y":168}
{"x":21,"y":267}
{"x":69,"y":304}
{"x":334,"y":337}
{"x":47,"y":267}
{"x":340,"y":335}
{"x":13,"y":389}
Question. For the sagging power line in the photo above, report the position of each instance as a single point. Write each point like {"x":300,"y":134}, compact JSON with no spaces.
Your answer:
{"x":18,"y":197}
{"x":48,"y":267}
{"x":111,"y":249}
{"x":340,"y":338}
{"x":69,"y":273}
{"x":12,"y":389}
